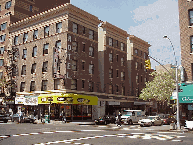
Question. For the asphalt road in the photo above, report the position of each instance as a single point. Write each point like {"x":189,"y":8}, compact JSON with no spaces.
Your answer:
{"x":72,"y":133}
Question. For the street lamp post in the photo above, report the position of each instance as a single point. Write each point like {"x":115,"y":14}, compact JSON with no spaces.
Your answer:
{"x":177,"y":113}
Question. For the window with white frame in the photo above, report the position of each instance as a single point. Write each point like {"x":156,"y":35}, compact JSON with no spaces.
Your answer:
{"x":110,"y":57}
{"x":2,"y":50}
{"x":45,"y":66}
{"x":110,"y":41}
{"x":110,"y":89}
{"x":24,"y":54}
{"x":32,"y":86}
{"x":1,"y":62}
{"x":46,"y":31}
{"x":91,"y":51}
{"x":91,"y":86}
{"x":34,"y":53}
{"x":122,"y":46}
{"x":91,"y":68}
{"x":58,"y":45}
{"x":122,"y":61}
{"x":3,"y":26}
{"x":191,"y":43}
{"x":22,"y":87}
{"x":75,"y":46}
{"x":8,"y":5}
{"x":110,"y":73}
{"x":75,"y":28}
{"x":73,"y":84}
{"x":122,"y":76}
{"x":16,"y":40}
{"x":44,"y":85}
{"x":74,"y":65}
{"x":45,"y":49}
{"x":59,"y":27}
{"x":2,"y":38}
{"x":91,"y":34}
{"x":33,"y":69}
{"x":35,"y":34}
{"x":23,"y":70}
{"x":191,"y":17}
{"x":25,"y":37}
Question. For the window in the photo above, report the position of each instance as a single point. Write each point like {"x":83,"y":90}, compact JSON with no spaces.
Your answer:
{"x":83,"y":83}
{"x":1,"y":75}
{"x":122,"y":61}
{"x":91,"y":34}
{"x":145,"y":80}
{"x":32,"y":86}
{"x":58,"y":45}
{"x":110,"y":41}
{"x":58,"y":65}
{"x":3,"y":26}
{"x":2,"y":38}
{"x":136,"y":51}
{"x":33,"y":70}
{"x":46,"y":31}
{"x":75,"y":46}
{"x":91,"y":86}
{"x":144,"y":55}
{"x":69,"y":38}
{"x":34,"y":53}
{"x":74,"y":65}
{"x":137,"y":79}
{"x":22,"y":87}
{"x":35,"y":35}
{"x":56,"y":84}
{"x":123,"y":90}
{"x":8,"y":5}
{"x":83,"y":65}
{"x":24,"y":54}
{"x":191,"y":43}
{"x":44,"y":85}
{"x":110,"y":89}
{"x":91,"y":51}
{"x":25,"y":38}
{"x":84,"y":47}
{"x":117,"y":56}
{"x":1,"y":50}
{"x":117,"y":73}
{"x":45,"y":65}
{"x":75,"y":28}
{"x":141,"y":78}
{"x":122,"y":46}
{"x":122,"y":76}
{"x":141,"y":65}
{"x":191,"y":17}
{"x":45,"y":49}
{"x":30,"y":8}
{"x":192,"y":70}
{"x":136,"y":65}
{"x":91,"y":68}
{"x":84,"y":30}
{"x":117,"y":88}
{"x":110,"y":73}
{"x":116,"y":43}
{"x":1,"y":62}
{"x":23,"y":70}
{"x":16,"y":40}
{"x":0,"y":7}
{"x":59,"y":27}
{"x":73,"y":84}
{"x":110,"y":57}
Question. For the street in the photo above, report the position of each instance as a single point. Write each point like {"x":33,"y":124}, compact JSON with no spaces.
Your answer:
{"x":73,"y":133}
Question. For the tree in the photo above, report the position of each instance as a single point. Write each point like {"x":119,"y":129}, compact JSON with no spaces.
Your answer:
{"x":162,"y":86}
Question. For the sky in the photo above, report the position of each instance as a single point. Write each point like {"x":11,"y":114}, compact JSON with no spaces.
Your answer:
{"x":149,"y":20}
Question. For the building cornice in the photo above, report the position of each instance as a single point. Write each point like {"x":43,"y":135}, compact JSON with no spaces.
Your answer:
{"x":132,"y":37}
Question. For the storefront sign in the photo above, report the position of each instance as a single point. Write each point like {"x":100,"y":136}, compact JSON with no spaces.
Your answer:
{"x":83,"y":101}
{"x":187,"y":99}
{"x":32,"y":100}
{"x":19,"y":100}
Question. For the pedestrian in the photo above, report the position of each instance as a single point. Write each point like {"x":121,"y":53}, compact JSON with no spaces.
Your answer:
{"x":119,"y":119}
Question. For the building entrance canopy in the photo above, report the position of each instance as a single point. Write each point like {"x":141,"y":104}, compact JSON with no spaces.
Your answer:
{"x":68,"y":98}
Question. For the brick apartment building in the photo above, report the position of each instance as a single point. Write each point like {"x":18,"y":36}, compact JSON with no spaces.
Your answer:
{"x":12,"y":11}
{"x":186,"y":37}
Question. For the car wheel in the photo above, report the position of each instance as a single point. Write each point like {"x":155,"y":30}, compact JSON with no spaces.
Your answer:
{"x":141,"y":125}
{"x":130,"y":122}
{"x":152,"y":123}
{"x":161,"y":124}
{"x":105,"y":123}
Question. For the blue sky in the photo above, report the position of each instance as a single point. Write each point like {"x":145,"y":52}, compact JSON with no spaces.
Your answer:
{"x":149,"y":20}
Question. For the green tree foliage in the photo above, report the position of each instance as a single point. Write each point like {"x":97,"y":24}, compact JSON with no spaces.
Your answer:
{"x":161,"y":87}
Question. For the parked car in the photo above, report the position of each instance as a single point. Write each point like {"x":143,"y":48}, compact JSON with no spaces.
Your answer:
{"x":3,"y":118}
{"x":105,"y":120}
{"x":155,"y":120}
{"x":145,"y":122}
{"x":189,"y":124}
{"x":27,"y":119}
{"x":15,"y":117}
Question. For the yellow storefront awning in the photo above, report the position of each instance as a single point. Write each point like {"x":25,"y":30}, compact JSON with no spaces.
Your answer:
{"x":68,"y":98}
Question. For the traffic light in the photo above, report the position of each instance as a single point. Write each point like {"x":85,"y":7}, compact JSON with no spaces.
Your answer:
{"x":148,"y":64}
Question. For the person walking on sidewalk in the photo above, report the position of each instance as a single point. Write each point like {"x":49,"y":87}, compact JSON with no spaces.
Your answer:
{"x":119,"y":119}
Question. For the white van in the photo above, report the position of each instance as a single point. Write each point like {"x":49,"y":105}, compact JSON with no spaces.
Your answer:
{"x":132,"y":116}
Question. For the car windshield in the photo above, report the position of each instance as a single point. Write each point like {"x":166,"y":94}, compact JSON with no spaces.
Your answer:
{"x":127,"y":113}
{"x":151,"y":118}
